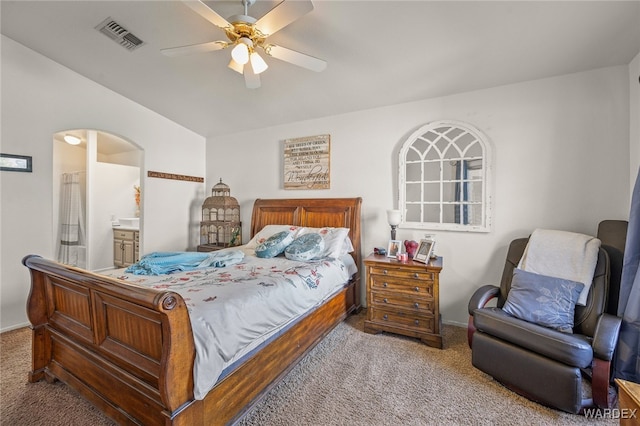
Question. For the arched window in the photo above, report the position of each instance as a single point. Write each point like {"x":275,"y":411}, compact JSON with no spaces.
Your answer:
{"x":444,"y":173}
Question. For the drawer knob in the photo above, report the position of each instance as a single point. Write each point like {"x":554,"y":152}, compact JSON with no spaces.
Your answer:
{"x":384,"y":272}
{"x":384,"y":284}
{"x":416,"y":275}
{"x":417,"y":289}
{"x":385,"y":317}
{"x":416,"y":322}
{"x":416,"y":305}
{"x":385,"y":300}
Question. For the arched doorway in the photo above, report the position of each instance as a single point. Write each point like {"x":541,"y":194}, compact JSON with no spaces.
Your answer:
{"x":95,"y":180}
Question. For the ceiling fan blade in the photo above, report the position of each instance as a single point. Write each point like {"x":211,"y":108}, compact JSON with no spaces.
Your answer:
{"x":194,"y":48}
{"x":209,"y":14}
{"x":295,"y":58}
{"x":251,"y":79}
{"x":282,"y":15}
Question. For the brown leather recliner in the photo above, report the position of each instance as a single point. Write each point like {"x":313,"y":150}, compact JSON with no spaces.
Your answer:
{"x":542,"y":364}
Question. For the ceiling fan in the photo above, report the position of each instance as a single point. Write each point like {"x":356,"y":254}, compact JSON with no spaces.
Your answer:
{"x":246,"y":34}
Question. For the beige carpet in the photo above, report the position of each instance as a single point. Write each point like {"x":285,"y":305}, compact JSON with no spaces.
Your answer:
{"x":350,"y":378}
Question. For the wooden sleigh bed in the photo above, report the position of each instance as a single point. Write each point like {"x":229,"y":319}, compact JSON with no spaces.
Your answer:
{"x":130,"y":349}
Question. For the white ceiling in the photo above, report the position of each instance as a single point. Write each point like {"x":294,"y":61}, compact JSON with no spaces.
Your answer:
{"x":378,"y":52}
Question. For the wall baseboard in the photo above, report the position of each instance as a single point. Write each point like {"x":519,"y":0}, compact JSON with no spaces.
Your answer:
{"x":455,"y":323}
{"x":14,"y":327}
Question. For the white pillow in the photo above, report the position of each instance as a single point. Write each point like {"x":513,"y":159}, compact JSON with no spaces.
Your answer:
{"x":267,"y":232}
{"x":336,"y":240}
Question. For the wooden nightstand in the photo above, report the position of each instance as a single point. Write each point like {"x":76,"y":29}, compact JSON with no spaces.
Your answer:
{"x":403,"y":298}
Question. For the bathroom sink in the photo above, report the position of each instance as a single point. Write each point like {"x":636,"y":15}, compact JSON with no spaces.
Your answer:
{"x":129,"y":222}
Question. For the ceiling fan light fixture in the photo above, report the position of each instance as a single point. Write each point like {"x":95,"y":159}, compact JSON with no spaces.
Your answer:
{"x":72,"y":140}
{"x":240,"y":52}
{"x":257,"y":63}
{"x":246,"y":33}
{"x":235,"y":66}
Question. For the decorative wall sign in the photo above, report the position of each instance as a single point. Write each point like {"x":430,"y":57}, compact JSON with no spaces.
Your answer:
{"x":173,"y":176}
{"x":15,"y":163}
{"x":307,"y":162}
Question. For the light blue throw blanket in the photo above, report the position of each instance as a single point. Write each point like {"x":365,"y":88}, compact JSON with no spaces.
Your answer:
{"x":160,"y":263}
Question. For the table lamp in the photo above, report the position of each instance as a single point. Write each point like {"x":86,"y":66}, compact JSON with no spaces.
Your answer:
{"x":393,"y":217}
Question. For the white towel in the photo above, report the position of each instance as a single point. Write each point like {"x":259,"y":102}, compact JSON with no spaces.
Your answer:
{"x":562,"y":254}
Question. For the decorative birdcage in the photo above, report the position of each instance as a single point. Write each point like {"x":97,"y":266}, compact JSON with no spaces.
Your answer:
{"x":220,"y":226}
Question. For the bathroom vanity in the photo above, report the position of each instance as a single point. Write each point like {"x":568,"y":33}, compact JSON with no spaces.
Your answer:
{"x":126,"y":243}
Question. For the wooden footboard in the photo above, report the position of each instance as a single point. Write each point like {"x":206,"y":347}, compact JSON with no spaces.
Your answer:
{"x":126,"y":348}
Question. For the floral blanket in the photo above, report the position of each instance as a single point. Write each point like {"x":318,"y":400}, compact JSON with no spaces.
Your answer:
{"x":235,"y":308}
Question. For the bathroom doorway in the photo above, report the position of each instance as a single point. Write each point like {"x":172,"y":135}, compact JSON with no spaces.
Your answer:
{"x":96,"y":181}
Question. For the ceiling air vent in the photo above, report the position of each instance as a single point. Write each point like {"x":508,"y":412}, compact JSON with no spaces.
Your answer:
{"x":118,"y":33}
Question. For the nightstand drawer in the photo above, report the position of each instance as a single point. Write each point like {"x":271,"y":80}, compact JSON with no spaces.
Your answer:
{"x":403,"y":319}
{"x":415,"y":287}
{"x":419,"y":305}
{"x":401,"y":273}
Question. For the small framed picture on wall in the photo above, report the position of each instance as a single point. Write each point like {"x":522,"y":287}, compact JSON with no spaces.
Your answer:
{"x":16,"y":163}
{"x":424,"y":251}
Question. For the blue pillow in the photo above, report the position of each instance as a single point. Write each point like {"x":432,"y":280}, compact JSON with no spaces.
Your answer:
{"x":274,"y":245}
{"x":305,"y":247}
{"x":543,"y":300}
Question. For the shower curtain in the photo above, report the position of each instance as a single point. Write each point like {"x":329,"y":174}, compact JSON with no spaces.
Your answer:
{"x":627,"y":362}
{"x":72,"y":232}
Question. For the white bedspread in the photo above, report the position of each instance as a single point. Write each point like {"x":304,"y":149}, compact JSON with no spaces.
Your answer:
{"x":233,"y":309}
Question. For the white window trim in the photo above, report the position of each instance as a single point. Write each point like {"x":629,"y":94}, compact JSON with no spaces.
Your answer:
{"x":485,"y":226}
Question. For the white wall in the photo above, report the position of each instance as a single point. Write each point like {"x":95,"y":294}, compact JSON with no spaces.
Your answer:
{"x":40,"y":98}
{"x":560,"y":146}
{"x":117,"y":199}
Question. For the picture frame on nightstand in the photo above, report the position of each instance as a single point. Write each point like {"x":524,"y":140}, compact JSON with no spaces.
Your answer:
{"x":425,"y":249}
{"x":394,"y":247}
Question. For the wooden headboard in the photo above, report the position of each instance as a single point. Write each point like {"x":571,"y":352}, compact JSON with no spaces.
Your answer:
{"x":311,"y":212}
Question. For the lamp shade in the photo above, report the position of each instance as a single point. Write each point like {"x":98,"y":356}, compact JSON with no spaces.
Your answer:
{"x":257,"y":63}
{"x":236,"y":66}
{"x":240,"y":53}
{"x":394,"y":217}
